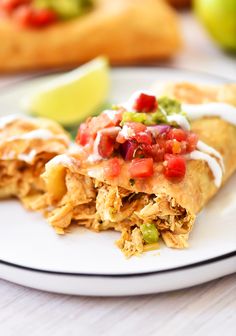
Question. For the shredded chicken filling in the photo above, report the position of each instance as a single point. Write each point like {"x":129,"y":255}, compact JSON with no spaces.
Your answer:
{"x":23,"y":180}
{"x":99,"y":207}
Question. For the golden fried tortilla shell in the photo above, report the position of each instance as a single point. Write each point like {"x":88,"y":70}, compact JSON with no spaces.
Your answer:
{"x":198,"y":186}
{"x":127,"y":31}
{"x":23,"y":157}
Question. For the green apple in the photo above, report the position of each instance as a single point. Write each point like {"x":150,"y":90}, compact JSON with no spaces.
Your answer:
{"x":219,"y":17}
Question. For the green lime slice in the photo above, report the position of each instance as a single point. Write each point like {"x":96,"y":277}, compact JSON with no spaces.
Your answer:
{"x":73,"y":96}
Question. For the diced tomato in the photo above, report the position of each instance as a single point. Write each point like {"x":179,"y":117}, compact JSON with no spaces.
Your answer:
{"x":175,"y":147}
{"x":44,"y":17}
{"x":161,"y":142}
{"x":117,"y":118}
{"x":154,"y":151}
{"x":11,"y":5}
{"x":83,"y":135}
{"x":144,"y":138}
{"x":168,"y":146}
{"x":113,"y":168}
{"x":188,"y":141}
{"x":191,"y":142}
{"x":99,"y":123}
{"x":26,"y":16}
{"x":136,"y":127}
{"x":106,"y":145}
{"x":145,"y":103}
{"x":175,"y":166}
{"x":141,"y":168}
{"x":177,"y":134}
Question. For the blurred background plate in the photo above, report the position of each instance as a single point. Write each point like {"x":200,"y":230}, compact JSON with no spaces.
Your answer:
{"x":88,"y":263}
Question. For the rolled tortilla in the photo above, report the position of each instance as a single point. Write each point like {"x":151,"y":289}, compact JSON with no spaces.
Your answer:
{"x":80,"y":193}
{"x":26,"y":144}
{"x":126,"y":31}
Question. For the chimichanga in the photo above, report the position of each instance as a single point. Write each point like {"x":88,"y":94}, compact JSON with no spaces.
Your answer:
{"x":126,"y":31}
{"x":26,"y":144}
{"x":142,"y":169}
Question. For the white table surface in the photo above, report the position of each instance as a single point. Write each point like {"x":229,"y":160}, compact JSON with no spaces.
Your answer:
{"x":209,"y":309}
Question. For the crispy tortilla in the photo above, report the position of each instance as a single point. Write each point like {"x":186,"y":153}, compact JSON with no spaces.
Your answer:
{"x":126,"y":31}
{"x":23,"y":155}
{"x":80,"y":193}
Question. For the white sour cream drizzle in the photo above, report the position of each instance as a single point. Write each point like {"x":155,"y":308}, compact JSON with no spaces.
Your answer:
{"x":221,"y":110}
{"x":201,"y":146}
{"x":43,"y":134}
{"x":111,"y":114}
{"x":61,"y":159}
{"x":96,"y":156}
{"x":180,"y":121}
{"x":35,"y":134}
{"x":212,"y":163}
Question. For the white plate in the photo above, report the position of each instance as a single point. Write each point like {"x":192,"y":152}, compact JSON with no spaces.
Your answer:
{"x":88,"y":263}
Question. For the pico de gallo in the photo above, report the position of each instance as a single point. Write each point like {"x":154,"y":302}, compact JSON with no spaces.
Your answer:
{"x":141,"y":133}
{"x":42,"y":13}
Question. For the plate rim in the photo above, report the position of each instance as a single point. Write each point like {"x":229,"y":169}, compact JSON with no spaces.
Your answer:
{"x":125,"y":275}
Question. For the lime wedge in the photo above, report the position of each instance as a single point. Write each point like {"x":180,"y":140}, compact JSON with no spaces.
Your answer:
{"x":73,"y":96}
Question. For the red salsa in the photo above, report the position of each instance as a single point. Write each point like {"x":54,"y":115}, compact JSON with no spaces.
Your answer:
{"x":141,"y":145}
{"x":26,"y":15}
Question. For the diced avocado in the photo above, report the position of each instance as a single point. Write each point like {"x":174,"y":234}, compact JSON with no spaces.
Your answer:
{"x":150,"y":233}
{"x":134,"y":117}
{"x":65,"y":9}
{"x":171,"y":106}
{"x":159,"y":117}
